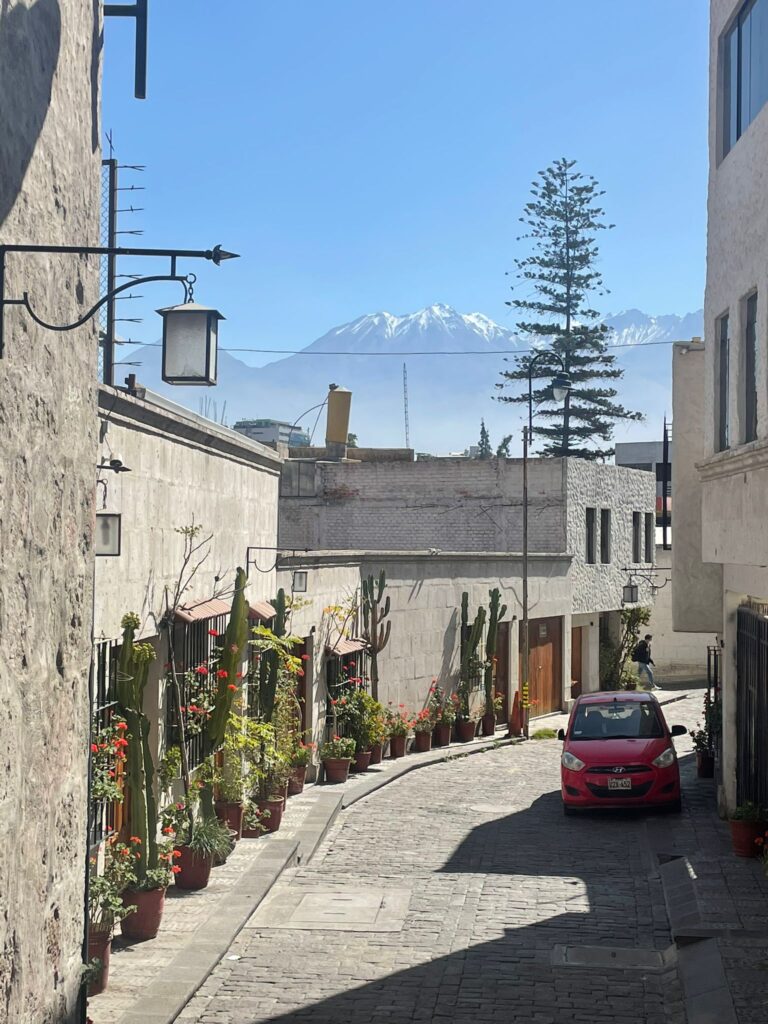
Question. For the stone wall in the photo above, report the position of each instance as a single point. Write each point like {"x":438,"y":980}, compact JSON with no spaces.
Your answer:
{"x":49,"y":194}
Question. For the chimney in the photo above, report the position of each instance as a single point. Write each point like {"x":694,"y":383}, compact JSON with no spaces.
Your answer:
{"x":337,"y":425}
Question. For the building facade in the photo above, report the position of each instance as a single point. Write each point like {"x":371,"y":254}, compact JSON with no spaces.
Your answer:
{"x":441,"y":527}
{"x":732,"y":391}
{"x":49,"y":194}
{"x":273,"y":432}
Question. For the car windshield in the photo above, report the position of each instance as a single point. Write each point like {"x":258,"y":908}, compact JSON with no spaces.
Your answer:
{"x":616,"y":720}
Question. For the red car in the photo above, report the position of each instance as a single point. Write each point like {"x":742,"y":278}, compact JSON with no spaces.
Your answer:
{"x":618,"y":752}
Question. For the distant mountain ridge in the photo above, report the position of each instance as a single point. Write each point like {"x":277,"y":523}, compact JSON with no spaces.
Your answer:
{"x":447,"y":396}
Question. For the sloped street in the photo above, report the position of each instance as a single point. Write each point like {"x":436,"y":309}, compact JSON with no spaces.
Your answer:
{"x":460,"y":892}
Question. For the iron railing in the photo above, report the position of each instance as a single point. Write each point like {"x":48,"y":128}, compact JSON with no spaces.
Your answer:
{"x":104,"y":816}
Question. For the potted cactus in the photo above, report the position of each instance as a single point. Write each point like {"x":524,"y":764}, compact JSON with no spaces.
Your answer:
{"x":336,"y":756}
{"x":376,"y":631}
{"x":469,"y":669}
{"x":493,"y":701}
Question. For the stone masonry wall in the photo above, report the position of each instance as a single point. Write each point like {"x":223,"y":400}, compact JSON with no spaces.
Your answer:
{"x":49,"y":193}
{"x":449,"y":504}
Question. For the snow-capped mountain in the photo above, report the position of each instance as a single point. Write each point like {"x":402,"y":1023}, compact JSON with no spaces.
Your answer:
{"x":447,"y":395}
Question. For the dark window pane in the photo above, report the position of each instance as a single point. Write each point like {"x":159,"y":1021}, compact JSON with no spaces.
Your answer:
{"x":750,"y":380}
{"x":591,"y":522}
{"x":605,"y":535}
{"x":650,"y":535}
{"x":731,"y":89}
{"x":636,"y":520}
{"x":758,"y":56}
{"x":745,"y":90}
{"x":721,"y":383}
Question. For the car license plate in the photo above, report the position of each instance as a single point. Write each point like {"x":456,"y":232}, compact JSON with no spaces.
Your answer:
{"x":619,"y":783}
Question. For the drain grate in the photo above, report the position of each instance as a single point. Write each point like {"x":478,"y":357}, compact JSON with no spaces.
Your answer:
{"x":625,"y":958}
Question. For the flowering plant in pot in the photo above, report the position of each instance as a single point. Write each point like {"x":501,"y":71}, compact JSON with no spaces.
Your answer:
{"x":399,"y":725}
{"x":197,"y":845}
{"x":255,"y":820}
{"x":490,"y":712}
{"x":423,"y":725}
{"x":268,"y":771}
{"x":360,"y":715}
{"x":444,"y":709}
{"x":106,"y":908}
{"x":748,"y":823}
{"x":336,"y":755}
{"x":301,"y":758}
{"x":379,"y":734}
{"x":147,"y":893}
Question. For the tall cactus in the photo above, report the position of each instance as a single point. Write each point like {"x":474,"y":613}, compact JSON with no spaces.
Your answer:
{"x":132,"y":673}
{"x":270,"y":662}
{"x":496,"y":612}
{"x":470,"y":638}
{"x":375,"y":631}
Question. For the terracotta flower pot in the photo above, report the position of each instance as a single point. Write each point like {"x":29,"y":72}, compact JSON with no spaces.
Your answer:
{"x":377,"y":751}
{"x":705,"y":764}
{"x":488,"y":725}
{"x":275,"y":807}
{"x":422,"y":742}
{"x":441,"y":736}
{"x":743,"y":836}
{"x":144,"y":922}
{"x":361,"y":761}
{"x":337,"y":769}
{"x":99,"y":948}
{"x":195,"y":869}
{"x":230,"y":814}
{"x":465,"y":731}
{"x":397,"y":746}
{"x":296,"y":781}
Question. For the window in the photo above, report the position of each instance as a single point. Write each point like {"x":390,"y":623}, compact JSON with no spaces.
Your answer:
{"x":591,"y":524}
{"x":636,"y":525}
{"x":650,"y":535}
{"x":605,"y":535}
{"x":745,"y":71}
{"x":750,"y":378}
{"x":721,"y":382}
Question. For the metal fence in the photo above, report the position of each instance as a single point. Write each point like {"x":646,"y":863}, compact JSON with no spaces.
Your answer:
{"x":752,"y":705}
{"x":105,"y":817}
{"x":194,"y":646}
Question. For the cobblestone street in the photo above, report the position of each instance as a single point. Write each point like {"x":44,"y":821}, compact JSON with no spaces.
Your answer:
{"x":461,"y":893}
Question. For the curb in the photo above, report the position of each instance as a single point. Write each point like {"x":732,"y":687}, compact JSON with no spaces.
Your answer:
{"x":165,"y":997}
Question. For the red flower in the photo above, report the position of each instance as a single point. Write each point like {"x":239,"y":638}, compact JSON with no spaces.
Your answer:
{"x":94,"y":748}
{"x":231,"y":686}
{"x":334,"y":701}
{"x":136,"y":839}
{"x":213,"y":632}
{"x":201,"y":670}
{"x":238,"y":675}
{"x":168,"y":831}
{"x":222,"y":673}
{"x":111,"y":774}
{"x":305,"y":657}
{"x":176,"y":853}
{"x":175,"y":869}
{"x":300,"y":672}
{"x":121,"y":725}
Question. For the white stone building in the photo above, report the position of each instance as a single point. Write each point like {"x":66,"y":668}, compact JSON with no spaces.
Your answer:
{"x":721,"y":389}
{"x":441,"y":527}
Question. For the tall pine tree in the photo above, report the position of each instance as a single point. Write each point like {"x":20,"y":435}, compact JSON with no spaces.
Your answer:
{"x":563,"y":218}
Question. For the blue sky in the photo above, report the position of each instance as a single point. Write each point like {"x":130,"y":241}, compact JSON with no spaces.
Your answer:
{"x":364,"y":156}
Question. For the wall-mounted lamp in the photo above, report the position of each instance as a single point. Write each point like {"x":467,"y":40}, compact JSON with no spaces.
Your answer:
{"x":299,"y":585}
{"x":194,"y":326}
{"x":115,"y":464}
{"x":107,"y":538}
{"x":630,"y":593}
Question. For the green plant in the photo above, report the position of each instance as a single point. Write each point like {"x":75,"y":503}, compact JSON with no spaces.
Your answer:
{"x":108,"y":756}
{"x":496,"y":612}
{"x":272,"y":649}
{"x":254,"y":817}
{"x":361,"y":713}
{"x":615,"y":671}
{"x":750,"y":812}
{"x":338,"y":747}
{"x":169,"y":768}
{"x":105,"y":890}
{"x":443,"y":705}
{"x":424,"y":722}
{"x":544,"y":734}
{"x":398,"y":722}
{"x":375,"y":630}
{"x":470,"y":664}
{"x":132,"y":672}
{"x":208,"y":838}
{"x":702,"y":742}
{"x":266,"y":767}
{"x":302,"y":755}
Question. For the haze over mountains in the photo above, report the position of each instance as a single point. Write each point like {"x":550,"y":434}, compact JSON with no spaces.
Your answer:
{"x":448,"y":395}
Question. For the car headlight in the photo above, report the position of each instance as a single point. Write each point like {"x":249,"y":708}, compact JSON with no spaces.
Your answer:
{"x":665,"y":759}
{"x":572,"y":762}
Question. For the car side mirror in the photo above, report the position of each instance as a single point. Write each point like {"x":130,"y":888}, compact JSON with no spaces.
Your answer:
{"x":561,"y":734}
{"x":678,"y":730}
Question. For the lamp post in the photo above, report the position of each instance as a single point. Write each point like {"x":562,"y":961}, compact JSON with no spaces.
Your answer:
{"x":561,"y":385}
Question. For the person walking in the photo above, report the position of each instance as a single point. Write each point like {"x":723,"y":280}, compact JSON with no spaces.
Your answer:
{"x":642,"y":658}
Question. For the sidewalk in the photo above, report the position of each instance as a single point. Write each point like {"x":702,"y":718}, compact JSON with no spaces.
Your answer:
{"x":151,"y":982}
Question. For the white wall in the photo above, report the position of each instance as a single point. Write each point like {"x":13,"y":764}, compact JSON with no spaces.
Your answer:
{"x":681,"y":654}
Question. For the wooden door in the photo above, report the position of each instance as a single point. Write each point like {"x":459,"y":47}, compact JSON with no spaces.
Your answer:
{"x":576,"y":680}
{"x":545,"y":657}
{"x":502,"y":671}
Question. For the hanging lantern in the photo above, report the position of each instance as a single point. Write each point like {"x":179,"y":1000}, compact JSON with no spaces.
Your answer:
{"x":190,"y":343}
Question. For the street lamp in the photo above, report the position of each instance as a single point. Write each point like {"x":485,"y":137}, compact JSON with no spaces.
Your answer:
{"x":190,"y":333}
{"x":561,"y":386}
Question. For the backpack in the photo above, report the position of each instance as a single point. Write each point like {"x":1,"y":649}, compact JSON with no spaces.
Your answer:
{"x":638,"y":654}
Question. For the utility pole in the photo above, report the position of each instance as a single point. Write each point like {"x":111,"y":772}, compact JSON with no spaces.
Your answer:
{"x":524,"y":642}
{"x":405,"y":406}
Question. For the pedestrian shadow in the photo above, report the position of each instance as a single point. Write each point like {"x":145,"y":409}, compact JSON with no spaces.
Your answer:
{"x":592,"y":875}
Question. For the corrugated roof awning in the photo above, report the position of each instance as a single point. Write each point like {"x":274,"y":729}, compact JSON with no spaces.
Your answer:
{"x":344,"y":646}
{"x":203,"y":610}
{"x":261,"y":610}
